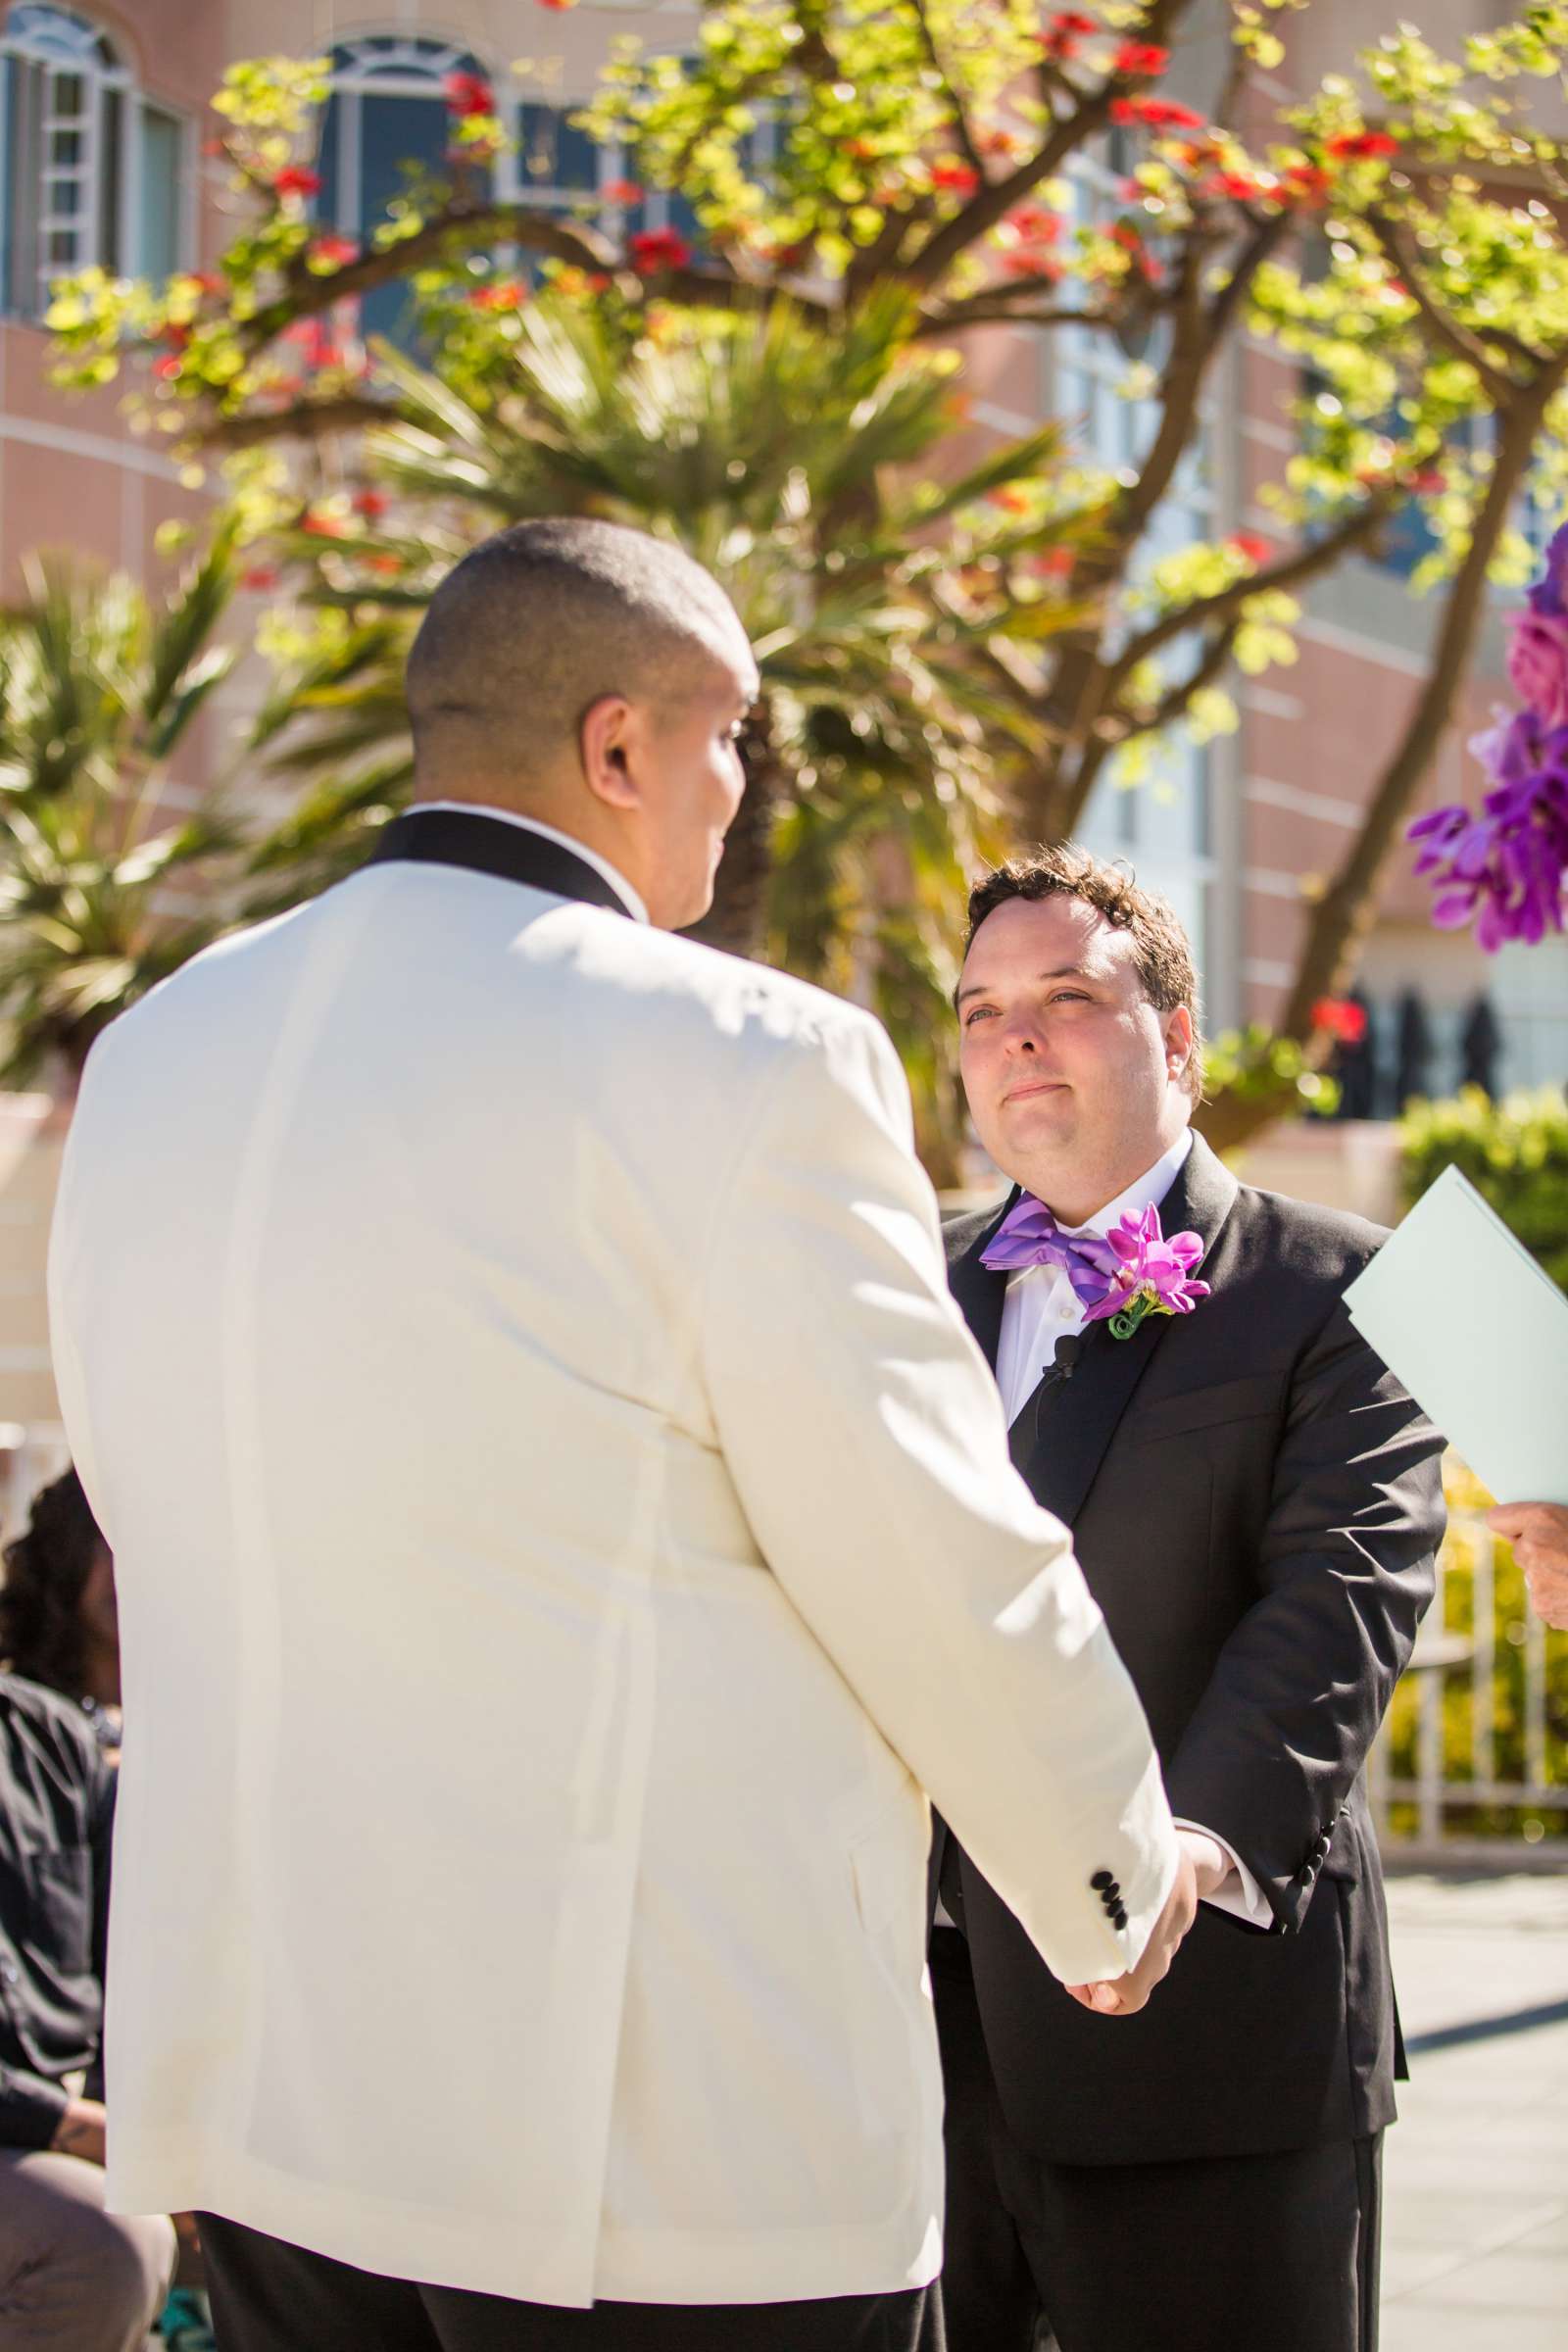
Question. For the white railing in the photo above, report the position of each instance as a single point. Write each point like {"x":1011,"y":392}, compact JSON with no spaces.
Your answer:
{"x":1464,"y":1750}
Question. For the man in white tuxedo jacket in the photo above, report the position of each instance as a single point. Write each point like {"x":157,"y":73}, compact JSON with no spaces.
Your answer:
{"x":562,"y":1528}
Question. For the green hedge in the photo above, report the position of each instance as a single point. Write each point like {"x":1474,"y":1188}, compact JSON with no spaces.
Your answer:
{"x":1515,"y":1153}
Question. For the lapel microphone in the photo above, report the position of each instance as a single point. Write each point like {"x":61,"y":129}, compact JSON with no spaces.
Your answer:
{"x":1062,"y":1365}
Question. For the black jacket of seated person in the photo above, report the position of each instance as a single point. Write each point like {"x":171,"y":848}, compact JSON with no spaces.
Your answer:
{"x":1256,"y":1505}
{"x":55,"y":1814}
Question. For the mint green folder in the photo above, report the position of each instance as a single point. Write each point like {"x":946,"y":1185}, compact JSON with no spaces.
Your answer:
{"x":1462,"y":1314}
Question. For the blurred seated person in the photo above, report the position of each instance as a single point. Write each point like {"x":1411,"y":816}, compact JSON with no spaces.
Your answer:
{"x":1539,"y":1534}
{"x":58,"y":1625}
{"x":73,"y":2278}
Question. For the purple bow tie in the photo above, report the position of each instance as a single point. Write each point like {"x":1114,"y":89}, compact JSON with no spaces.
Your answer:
{"x":1111,"y":1275}
{"x":1029,"y":1236}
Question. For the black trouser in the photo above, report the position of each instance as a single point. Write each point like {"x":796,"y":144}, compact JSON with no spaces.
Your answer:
{"x":269,"y":2296}
{"x":1211,"y":2255}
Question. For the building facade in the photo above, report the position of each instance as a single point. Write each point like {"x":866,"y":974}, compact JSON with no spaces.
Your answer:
{"x":103,"y":159}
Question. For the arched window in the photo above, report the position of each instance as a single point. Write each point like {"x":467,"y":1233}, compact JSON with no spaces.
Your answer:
{"x":89,"y":173}
{"x":387,"y":110}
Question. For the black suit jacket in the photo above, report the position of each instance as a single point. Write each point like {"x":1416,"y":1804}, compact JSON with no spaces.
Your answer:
{"x":1256,"y":1504}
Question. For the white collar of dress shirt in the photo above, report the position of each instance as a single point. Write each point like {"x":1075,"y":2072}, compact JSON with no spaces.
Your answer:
{"x":634,"y":903}
{"x":1147,"y":1193}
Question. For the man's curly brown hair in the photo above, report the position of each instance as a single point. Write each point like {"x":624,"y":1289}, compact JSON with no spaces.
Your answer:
{"x":1162,"y":950}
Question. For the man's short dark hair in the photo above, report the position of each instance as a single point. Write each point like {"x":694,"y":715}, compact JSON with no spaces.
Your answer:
{"x":538,"y":624}
{"x":1162,"y":950}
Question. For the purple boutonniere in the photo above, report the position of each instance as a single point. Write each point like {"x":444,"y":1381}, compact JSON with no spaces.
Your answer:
{"x":1148,"y":1275}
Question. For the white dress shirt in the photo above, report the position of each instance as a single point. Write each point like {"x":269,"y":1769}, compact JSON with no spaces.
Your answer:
{"x":1040,"y":1307}
{"x":634,"y":903}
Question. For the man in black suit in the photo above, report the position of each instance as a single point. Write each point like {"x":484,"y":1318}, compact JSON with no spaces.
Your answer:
{"x":1256,"y":1504}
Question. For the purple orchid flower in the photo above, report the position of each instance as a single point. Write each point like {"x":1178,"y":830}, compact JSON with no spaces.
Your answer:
{"x":1153,"y":1276}
{"x":1504,"y":867}
{"x":1549,"y":595}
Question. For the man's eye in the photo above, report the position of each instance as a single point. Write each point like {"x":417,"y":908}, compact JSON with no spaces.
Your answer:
{"x":977,"y":1012}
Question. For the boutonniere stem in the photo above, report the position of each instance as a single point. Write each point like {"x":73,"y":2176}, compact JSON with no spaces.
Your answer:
{"x":1149,"y":1276}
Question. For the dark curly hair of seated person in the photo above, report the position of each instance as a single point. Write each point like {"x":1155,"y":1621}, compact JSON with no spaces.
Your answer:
{"x":47,"y":1566}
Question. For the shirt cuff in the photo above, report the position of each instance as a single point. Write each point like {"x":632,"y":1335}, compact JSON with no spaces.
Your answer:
{"x":1239,"y":1894}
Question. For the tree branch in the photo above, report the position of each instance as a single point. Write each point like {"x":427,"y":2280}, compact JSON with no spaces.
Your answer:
{"x":1216,"y":652}
{"x":1318,"y":555}
{"x":1266,"y":234}
{"x":994,"y":304}
{"x":1345,"y":911}
{"x":305,"y":420}
{"x":308,"y":292}
{"x":997,"y":197}
{"x":1456,"y":339}
{"x":961,"y":121}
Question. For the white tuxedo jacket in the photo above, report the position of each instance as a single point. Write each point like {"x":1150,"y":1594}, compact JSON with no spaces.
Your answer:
{"x":563,"y":1526}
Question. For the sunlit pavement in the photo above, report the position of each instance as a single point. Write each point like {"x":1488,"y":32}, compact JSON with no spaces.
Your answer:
{"x":1475,"y":2249}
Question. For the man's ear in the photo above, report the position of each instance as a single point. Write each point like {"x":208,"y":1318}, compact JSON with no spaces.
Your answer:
{"x":1178,"y":1041}
{"x":608,"y":743}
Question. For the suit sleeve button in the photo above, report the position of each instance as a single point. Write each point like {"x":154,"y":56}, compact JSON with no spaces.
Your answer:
{"x":1120,"y":1915}
{"x":1100,"y":1881}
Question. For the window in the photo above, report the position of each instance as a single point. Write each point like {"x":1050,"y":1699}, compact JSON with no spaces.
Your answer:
{"x":556,"y":165}
{"x":160,"y":194}
{"x":89,"y":173}
{"x":1162,"y":826}
{"x":62,"y":134}
{"x":387,"y":111}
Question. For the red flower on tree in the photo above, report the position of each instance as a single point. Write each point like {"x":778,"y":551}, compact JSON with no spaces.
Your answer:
{"x":505,"y":294}
{"x":1035,"y":225}
{"x":623,"y":191}
{"x":1361,"y":146}
{"x":470,"y":94}
{"x":324,"y":526}
{"x":1062,"y":34}
{"x":1010,"y":499}
{"x":1029,"y":233}
{"x":1156,"y":114}
{"x":656,"y":249}
{"x":335,"y":253}
{"x":295,"y":180}
{"x":1308,"y":183}
{"x":1250,"y":545}
{"x":1338,"y":1018}
{"x":1138,"y":60}
{"x":1032,"y":261}
{"x":1240,"y":186}
{"x":260,"y":576}
{"x":949,"y":172}
{"x":371,"y":504}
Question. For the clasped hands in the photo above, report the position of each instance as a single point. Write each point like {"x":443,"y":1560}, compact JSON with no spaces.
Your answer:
{"x":1203,"y":1867}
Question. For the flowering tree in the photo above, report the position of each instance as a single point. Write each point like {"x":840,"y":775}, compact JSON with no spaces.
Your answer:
{"x":1399,"y":240}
